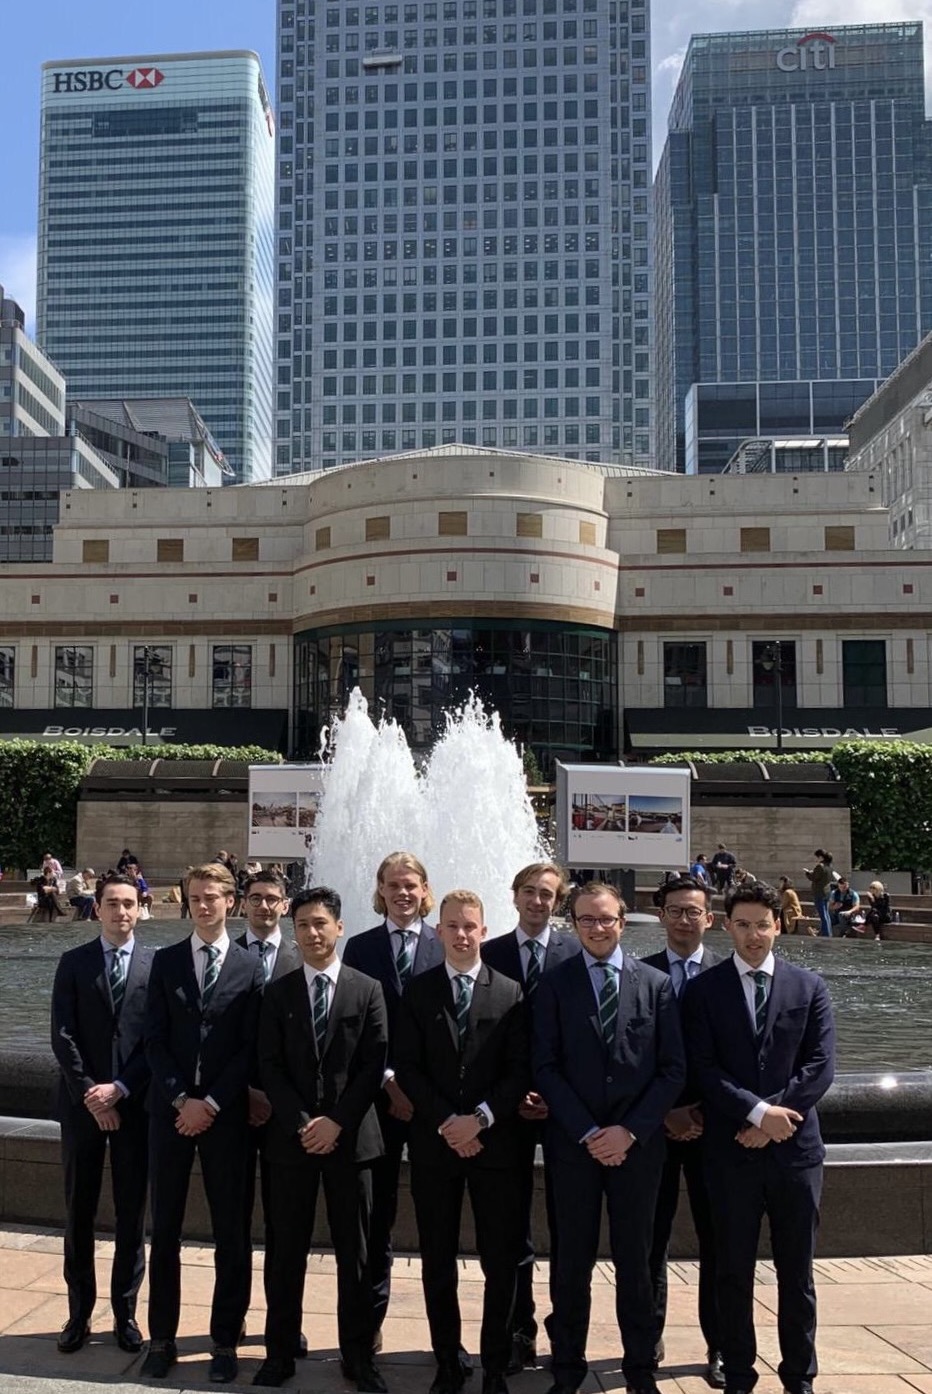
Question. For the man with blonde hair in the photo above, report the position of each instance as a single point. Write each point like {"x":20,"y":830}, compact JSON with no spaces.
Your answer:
{"x":525,"y":955}
{"x":403,"y":946}
{"x":462,"y":1056}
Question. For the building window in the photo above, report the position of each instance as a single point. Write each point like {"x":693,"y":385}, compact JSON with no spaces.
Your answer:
{"x":378,"y":529}
{"x":169,"y":549}
{"x":95,"y":549}
{"x":755,"y":539}
{"x":671,"y":540}
{"x":74,"y":676}
{"x":767,"y":660}
{"x":452,"y":524}
{"x":864,"y":672}
{"x":530,"y":525}
{"x":232,"y":680}
{"x":587,"y":534}
{"x":839,"y":538}
{"x":245,"y":549}
{"x":158,"y":659}
{"x":322,"y":539}
{"x":684,"y":675}
{"x":7,"y":676}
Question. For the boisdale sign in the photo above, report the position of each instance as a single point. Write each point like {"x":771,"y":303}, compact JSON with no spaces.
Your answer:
{"x":105,"y":80}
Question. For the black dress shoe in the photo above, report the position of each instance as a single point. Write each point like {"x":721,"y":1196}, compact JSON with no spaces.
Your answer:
{"x":368,"y":1379}
{"x":559,"y":1388}
{"x":715,"y":1370}
{"x":272,"y":1373}
{"x":301,"y":1352}
{"x":494,"y":1384}
{"x":128,"y":1336}
{"x":73,"y":1335}
{"x":465,"y":1362}
{"x":449,"y":1378}
{"x":162,"y":1356}
{"x":647,"y":1385}
{"x":660,"y":1352}
{"x":523,"y":1354}
{"x":224,"y":1366}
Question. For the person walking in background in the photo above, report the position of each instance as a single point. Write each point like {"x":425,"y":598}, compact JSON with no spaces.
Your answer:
{"x":820,"y":879}
{"x":723,"y":867}
{"x":791,"y":912}
{"x":879,"y":913}
{"x":761,"y":1043}
{"x":98,"y":1013}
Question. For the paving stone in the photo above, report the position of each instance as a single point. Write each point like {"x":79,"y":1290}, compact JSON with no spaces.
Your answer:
{"x":915,"y":1341}
{"x":846,"y":1350}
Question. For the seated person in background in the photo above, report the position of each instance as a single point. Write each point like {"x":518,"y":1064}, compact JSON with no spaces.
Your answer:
{"x":142,"y":885}
{"x":50,"y":863}
{"x":879,"y":912}
{"x":791,"y":912}
{"x":49,"y":899}
{"x":842,"y":906}
{"x":127,"y":857}
{"x":81,"y":893}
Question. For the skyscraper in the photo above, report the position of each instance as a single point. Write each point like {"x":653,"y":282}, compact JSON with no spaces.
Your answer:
{"x":793,"y":220}
{"x":156,"y":237}
{"x":463,"y":205}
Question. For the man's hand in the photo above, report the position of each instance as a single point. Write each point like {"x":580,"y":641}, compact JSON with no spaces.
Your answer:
{"x":610,"y":1146}
{"x":194,"y":1117}
{"x":102,"y":1097}
{"x":469,"y":1149}
{"x":749,"y":1136}
{"x":780,"y":1123}
{"x":399,"y":1105}
{"x":320,"y":1136}
{"x":107,"y":1120}
{"x":683,"y":1124}
{"x":460,"y":1130}
{"x":533,"y":1108}
{"x":260,"y":1110}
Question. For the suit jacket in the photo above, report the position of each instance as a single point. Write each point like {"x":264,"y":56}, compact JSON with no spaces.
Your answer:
{"x":503,"y":954}
{"x":691,"y":1093}
{"x":180,"y":1033}
{"x":92,"y":1044}
{"x":287,"y":959}
{"x":792,"y":1065}
{"x":342,"y":1083}
{"x":587,"y":1085}
{"x":440,"y":1080}
{"x":372,"y":953}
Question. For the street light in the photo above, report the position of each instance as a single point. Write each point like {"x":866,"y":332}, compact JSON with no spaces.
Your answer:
{"x":771,"y":660}
{"x":146,"y":674}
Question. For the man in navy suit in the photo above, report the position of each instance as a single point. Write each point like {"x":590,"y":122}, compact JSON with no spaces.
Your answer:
{"x":761,"y":1043}
{"x":684,"y":907}
{"x":201,"y":1024}
{"x":98,"y":1012}
{"x":525,"y":955}
{"x":400,"y":948}
{"x":608,"y":1058}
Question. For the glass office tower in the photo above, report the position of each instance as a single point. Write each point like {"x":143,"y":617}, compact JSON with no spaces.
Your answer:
{"x":792,"y":208}
{"x":156,"y":240}
{"x":463,"y":217}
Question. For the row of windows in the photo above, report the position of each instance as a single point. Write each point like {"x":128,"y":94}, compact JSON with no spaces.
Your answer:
{"x":168,"y":549}
{"x":554,"y":351}
{"x":348,"y":18}
{"x":863,"y":661}
{"x":428,"y":437}
{"x":531,"y":378}
{"x":492,"y":410}
{"x":231,"y":677}
{"x":386,"y":94}
{"x":451,"y":301}
{"x":453,"y":58}
{"x":837,"y":537}
{"x":530,"y":32}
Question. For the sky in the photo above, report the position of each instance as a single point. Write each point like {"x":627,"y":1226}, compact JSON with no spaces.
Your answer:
{"x":33,"y":33}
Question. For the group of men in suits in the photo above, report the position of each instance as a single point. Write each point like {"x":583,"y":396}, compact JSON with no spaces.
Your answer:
{"x":469,"y":1052}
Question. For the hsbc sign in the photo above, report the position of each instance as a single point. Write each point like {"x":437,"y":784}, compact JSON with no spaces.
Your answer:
{"x":813,"y":52}
{"x":105,"y":80}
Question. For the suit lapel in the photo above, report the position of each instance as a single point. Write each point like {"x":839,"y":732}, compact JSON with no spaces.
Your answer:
{"x":388,"y":971}
{"x":480,"y":1012}
{"x":342,"y":994}
{"x":448,"y":1007}
{"x":775,"y":999}
{"x":627,"y":994}
{"x":97,"y":968}
{"x":429,"y":952}
{"x":515,"y":968}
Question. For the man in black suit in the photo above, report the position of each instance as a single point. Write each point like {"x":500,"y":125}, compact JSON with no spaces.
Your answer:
{"x":322,"y":1043}
{"x":684,"y":907}
{"x":525,"y":955}
{"x":608,"y":1057}
{"x":201,"y":1024}
{"x":98,"y":1013}
{"x":461,"y":1052}
{"x":265,"y":900}
{"x":761,"y":1043}
{"x":400,"y":948}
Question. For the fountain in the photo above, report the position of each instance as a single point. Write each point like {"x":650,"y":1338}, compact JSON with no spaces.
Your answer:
{"x":465,"y":813}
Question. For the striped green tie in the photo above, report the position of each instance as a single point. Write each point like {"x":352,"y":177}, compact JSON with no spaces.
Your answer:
{"x":760,"y":1001}
{"x":319,"y":1010}
{"x":532,"y":977}
{"x":117,"y":978}
{"x":464,"y":986}
{"x":404,"y":960}
{"x":211,"y":972}
{"x":608,"y":1003}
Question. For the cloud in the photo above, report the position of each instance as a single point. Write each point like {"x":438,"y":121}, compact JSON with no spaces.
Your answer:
{"x":18,"y":273}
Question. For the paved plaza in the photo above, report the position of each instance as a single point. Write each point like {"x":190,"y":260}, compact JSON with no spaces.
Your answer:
{"x":875,"y":1328}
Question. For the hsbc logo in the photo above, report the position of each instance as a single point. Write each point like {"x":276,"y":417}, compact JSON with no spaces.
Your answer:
{"x":97,"y":80}
{"x":813,"y":52}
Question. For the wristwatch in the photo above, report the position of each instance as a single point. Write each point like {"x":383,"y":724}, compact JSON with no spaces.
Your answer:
{"x":482,"y":1118}
{"x":179,"y":1100}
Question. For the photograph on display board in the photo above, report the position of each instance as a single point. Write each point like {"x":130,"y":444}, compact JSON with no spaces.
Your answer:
{"x":648,"y":813}
{"x":276,"y":808}
{"x":308,"y":804}
{"x":599,"y":813}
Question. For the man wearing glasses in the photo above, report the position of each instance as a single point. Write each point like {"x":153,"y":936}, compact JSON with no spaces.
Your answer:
{"x":608,"y":1059}
{"x":685,"y":911}
{"x":265,"y":898}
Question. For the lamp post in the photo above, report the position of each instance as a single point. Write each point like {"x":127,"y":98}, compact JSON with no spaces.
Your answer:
{"x":772,"y":662}
{"x":146,"y":660}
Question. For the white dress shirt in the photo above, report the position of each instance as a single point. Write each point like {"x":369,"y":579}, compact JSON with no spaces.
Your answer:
{"x":200,"y":959}
{"x":127,"y":952}
{"x":274,"y":942}
{"x":596,"y":979}
{"x":543,"y":939}
{"x":473,"y":973}
{"x":746,"y":975}
{"x":331,"y":973}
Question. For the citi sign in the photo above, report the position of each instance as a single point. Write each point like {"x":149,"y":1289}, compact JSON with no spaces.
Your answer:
{"x":811,"y":53}
{"x":111,"y":80}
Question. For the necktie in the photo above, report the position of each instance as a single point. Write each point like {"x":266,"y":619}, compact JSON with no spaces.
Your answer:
{"x":532,"y":977}
{"x":608,"y":1002}
{"x":265,"y":957}
{"x":681,"y":976}
{"x":464,"y":986}
{"x":319,"y":1010}
{"x":117,"y":978}
{"x":404,"y":959}
{"x":760,"y":1001}
{"x":211,"y":972}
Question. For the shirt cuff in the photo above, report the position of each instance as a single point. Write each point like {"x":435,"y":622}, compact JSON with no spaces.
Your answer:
{"x":756,"y":1116}
{"x":209,"y":1099}
{"x":489,"y":1115}
{"x":586,"y":1136}
{"x":387,"y":1074}
{"x":118,"y":1084}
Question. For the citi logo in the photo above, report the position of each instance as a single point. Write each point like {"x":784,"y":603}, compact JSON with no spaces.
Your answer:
{"x":813,"y":52}
{"x":73,"y":80}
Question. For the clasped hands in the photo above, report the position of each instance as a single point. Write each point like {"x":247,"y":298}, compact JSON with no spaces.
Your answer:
{"x":461,"y":1133}
{"x":101,"y":1102}
{"x":319,"y":1136}
{"x":777,"y":1125}
{"x":610,"y":1146}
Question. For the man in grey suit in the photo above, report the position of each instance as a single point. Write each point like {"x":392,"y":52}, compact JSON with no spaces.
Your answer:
{"x":684,"y":907}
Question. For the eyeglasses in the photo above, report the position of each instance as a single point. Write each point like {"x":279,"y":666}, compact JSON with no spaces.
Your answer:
{"x":603,"y":921}
{"x":685,"y":912}
{"x":258,"y":900}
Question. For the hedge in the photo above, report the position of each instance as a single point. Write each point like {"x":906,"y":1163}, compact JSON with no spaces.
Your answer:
{"x":39,"y":782}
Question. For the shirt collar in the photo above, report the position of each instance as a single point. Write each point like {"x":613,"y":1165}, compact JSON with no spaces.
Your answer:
{"x":745,"y":968}
{"x":109,"y":948}
{"x":616,"y":957}
{"x":694,"y":957}
{"x":472,"y":972}
{"x":332,"y":971}
{"x":413,"y":928}
{"x":223,"y":943}
{"x":275,"y":938}
{"x":543,"y":939}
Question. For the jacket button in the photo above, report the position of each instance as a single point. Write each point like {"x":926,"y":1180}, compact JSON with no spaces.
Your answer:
{"x":609,"y":1079}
